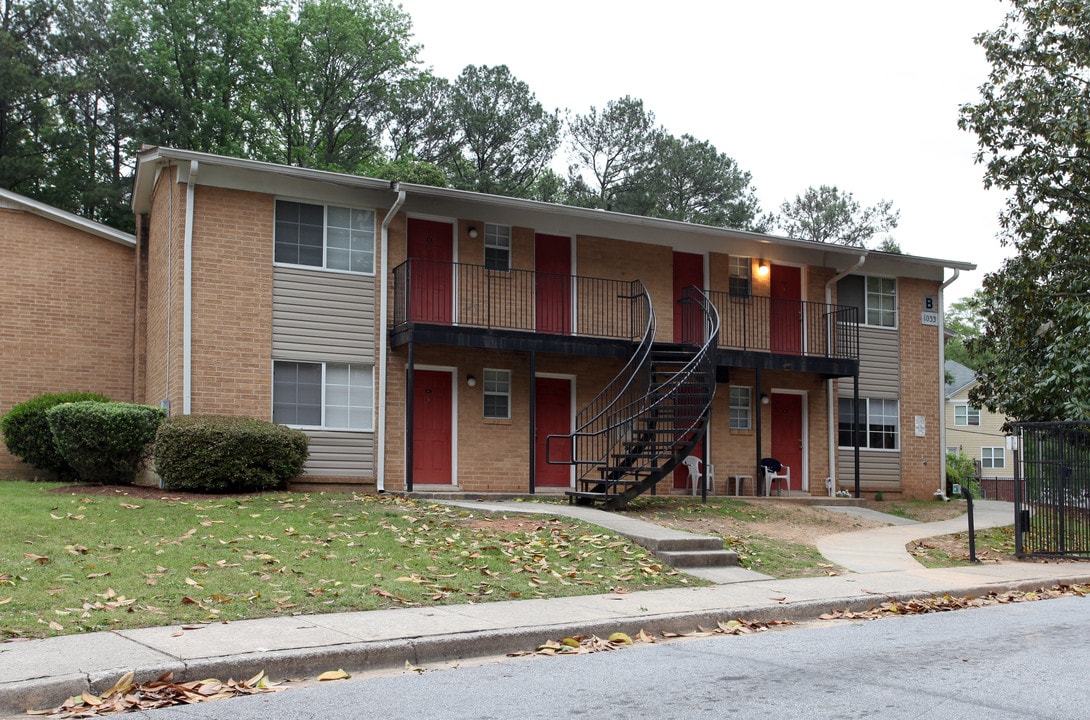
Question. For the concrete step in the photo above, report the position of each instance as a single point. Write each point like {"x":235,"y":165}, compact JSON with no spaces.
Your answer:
{"x":698,"y":558}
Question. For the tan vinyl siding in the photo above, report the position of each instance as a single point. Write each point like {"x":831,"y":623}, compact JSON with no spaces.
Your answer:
{"x":970,"y":438}
{"x":879,"y":364}
{"x":323,"y":316}
{"x":339,"y":454}
{"x":878,"y":469}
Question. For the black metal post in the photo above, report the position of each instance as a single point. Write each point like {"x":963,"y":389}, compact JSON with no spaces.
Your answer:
{"x":972,"y":531}
{"x":409,"y":389}
{"x":533,"y":421}
{"x":855,"y":427}
{"x":758,"y":475}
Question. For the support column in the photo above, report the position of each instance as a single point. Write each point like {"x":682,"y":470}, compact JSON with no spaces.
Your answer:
{"x":533,"y":420}
{"x":409,"y":402}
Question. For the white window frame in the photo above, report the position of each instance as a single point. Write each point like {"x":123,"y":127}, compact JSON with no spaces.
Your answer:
{"x":497,"y":384}
{"x":366,"y":410}
{"x":741,"y":269}
{"x":368,"y":231}
{"x":869,"y":414}
{"x":965,"y":414}
{"x":989,"y":462}
{"x":882,"y":313}
{"x":741,"y":414}
{"x":497,"y":238}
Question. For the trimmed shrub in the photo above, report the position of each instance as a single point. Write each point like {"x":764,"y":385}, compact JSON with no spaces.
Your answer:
{"x":104,"y":443}
{"x":218,"y":453}
{"x":27,"y":434}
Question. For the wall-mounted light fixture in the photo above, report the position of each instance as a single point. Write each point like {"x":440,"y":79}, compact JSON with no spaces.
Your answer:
{"x":473,"y":231}
{"x":471,"y":381}
{"x":762,"y":268}
{"x":764,"y":399}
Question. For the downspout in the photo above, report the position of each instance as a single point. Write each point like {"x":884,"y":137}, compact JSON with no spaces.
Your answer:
{"x":942,"y":381}
{"x":187,"y":293}
{"x":383,"y":342}
{"x":830,"y":401}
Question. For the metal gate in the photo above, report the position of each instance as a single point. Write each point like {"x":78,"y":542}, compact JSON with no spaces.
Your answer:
{"x":1052,"y":489}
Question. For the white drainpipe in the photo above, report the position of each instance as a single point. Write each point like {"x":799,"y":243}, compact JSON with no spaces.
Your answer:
{"x":830,"y":400}
{"x":187,"y":294}
{"x":380,"y":440}
{"x":942,"y":380}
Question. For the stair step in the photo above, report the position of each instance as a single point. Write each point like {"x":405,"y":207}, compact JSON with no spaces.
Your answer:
{"x":627,"y":470}
{"x":697,"y":558}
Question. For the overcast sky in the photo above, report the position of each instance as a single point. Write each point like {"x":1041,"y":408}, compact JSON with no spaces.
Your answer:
{"x":861,"y":94}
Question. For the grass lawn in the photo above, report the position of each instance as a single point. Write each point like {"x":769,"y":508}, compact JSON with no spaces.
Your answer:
{"x":73,"y":563}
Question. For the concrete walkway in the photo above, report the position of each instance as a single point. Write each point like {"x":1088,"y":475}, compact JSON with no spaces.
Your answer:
{"x":42,"y":673}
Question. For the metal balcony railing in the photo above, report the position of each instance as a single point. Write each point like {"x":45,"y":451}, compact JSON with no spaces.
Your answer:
{"x":796,"y":327}
{"x":446,"y":293}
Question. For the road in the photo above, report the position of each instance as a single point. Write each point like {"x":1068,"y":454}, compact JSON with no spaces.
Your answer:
{"x":1025,"y":660}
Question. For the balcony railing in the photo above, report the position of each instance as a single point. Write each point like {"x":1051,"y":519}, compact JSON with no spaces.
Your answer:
{"x":446,"y":293}
{"x":793,"y":327}
{"x":473,"y":296}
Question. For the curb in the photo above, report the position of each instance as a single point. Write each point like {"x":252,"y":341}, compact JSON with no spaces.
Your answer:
{"x":18,"y":697}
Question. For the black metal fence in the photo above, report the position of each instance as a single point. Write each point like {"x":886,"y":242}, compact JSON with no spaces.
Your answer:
{"x":1052,"y":489}
{"x":995,"y":488}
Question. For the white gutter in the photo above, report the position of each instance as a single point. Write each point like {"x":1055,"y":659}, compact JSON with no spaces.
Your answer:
{"x":830,"y":400}
{"x":942,"y":381}
{"x":187,"y":293}
{"x":384,"y":271}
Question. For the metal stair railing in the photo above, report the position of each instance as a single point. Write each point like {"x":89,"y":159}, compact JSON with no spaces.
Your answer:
{"x":657,"y":428}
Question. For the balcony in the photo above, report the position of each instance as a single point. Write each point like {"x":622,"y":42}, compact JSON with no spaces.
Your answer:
{"x":781,"y":334}
{"x":473,"y":306}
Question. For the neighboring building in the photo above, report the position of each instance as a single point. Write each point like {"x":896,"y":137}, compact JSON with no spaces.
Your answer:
{"x":66,"y":308}
{"x":428,"y":338}
{"x":977,"y":433}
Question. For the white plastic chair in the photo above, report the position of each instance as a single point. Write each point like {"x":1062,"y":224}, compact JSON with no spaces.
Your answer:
{"x":692,"y":463}
{"x":784,"y":476}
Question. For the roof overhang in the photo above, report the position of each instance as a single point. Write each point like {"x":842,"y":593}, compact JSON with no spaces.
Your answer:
{"x":15,"y":201}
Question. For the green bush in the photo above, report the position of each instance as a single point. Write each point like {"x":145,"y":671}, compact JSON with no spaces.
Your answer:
{"x":104,"y":443}
{"x":217,"y":453}
{"x":27,"y":434}
{"x":961,"y":470}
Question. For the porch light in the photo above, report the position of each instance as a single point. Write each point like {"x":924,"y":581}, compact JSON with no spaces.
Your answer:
{"x":471,"y":381}
{"x":764,"y":399}
{"x":762,"y":268}
{"x":473,"y":231}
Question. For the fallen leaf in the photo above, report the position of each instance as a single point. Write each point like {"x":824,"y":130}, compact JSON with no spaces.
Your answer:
{"x":334,"y":675}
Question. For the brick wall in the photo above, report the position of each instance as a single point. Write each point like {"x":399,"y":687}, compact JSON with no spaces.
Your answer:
{"x":164,"y":291}
{"x":66,"y":315}
{"x":921,"y":457}
{"x":232,"y":303}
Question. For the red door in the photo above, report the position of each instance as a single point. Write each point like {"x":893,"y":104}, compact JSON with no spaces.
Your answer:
{"x":553,"y":418}
{"x":552,"y":260}
{"x":785,"y":317}
{"x":431,"y":287}
{"x":688,"y":270}
{"x":432,"y":427}
{"x":787,"y":434}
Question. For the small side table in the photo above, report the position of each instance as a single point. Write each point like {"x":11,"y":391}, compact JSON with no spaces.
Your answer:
{"x":739,"y":483}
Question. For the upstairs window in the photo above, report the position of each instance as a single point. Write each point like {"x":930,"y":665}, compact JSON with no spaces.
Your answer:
{"x":325,"y":236}
{"x":740,"y":276}
{"x":497,"y":247}
{"x":875,"y":297}
{"x":964,"y":415}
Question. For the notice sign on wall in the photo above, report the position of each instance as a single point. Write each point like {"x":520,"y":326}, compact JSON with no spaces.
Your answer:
{"x":921,"y":426}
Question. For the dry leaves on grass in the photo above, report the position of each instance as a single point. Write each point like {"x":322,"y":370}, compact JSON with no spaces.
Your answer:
{"x":129,"y":696}
{"x":583,"y":644}
{"x":946,"y":603}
